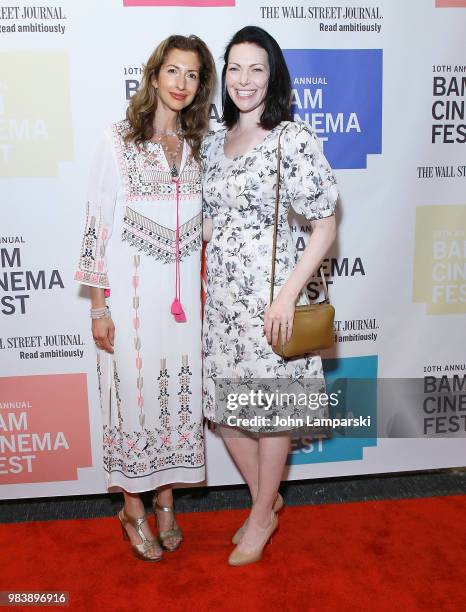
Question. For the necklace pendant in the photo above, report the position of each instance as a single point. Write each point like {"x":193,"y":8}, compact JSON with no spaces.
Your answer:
{"x":174,"y":170}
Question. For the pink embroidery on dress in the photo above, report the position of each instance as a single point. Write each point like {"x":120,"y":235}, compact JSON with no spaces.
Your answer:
{"x":137,"y":340}
{"x":149,"y":177}
{"x":91,"y":267}
{"x":176,"y":307}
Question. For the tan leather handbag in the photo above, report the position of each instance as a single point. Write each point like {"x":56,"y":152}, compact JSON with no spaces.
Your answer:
{"x":313,"y":323}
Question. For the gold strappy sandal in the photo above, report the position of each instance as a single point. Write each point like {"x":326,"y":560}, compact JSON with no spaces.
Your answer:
{"x":173,"y":532}
{"x":139,"y":550}
{"x":277,"y":506}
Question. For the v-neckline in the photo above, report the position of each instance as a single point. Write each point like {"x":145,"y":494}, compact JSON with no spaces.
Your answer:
{"x":166,"y":162}
{"x":251,"y":151}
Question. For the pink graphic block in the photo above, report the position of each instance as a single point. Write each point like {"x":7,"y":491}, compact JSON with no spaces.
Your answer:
{"x":44,"y":428}
{"x":450,"y":3}
{"x":198,"y":3}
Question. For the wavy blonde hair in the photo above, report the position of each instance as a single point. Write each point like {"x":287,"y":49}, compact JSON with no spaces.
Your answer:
{"x":195,"y":117}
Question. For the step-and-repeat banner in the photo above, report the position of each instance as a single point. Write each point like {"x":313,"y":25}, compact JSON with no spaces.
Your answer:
{"x":382,"y":84}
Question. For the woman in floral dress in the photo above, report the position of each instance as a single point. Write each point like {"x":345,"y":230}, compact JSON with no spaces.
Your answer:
{"x":141,"y":246}
{"x":238,"y":205}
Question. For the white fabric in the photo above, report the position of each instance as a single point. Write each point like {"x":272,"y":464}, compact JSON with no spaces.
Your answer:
{"x":239,"y":196}
{"x":150,"y":388}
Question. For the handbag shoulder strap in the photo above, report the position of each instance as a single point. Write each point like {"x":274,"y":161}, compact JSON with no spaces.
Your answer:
{"x":275,"y":223}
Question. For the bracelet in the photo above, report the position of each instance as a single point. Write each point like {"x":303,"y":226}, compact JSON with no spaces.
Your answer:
{"x":100,"y":313}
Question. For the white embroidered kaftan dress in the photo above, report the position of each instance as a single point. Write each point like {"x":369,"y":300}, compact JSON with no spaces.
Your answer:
{"x":150,"y":387}
{"x":239,"y":196}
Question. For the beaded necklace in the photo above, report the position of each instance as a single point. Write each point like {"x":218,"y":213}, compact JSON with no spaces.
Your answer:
{"x":170,"y":155}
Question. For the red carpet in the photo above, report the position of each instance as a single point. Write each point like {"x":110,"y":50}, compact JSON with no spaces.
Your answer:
{"x":383,"y":555}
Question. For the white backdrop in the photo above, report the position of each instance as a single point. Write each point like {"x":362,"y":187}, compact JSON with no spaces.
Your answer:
{"x":368,"y":81}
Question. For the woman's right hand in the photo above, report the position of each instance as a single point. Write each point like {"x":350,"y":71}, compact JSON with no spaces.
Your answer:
{"x":103,"y":332}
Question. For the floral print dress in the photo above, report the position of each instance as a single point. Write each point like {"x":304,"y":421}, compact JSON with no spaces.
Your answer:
{"x":239,"y":196}
{"x":150,"y":387}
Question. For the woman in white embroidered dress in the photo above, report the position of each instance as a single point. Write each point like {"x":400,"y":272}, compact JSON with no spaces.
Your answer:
{"x":141,"y":253}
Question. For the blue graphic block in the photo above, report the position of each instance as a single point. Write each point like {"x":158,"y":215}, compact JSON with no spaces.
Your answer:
{"x":350,"y":377}
{"x":342,"y":100}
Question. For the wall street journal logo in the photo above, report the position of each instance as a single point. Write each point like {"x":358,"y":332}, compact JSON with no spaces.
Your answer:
{"x":339,"y":93}
{"x":195,"y":3}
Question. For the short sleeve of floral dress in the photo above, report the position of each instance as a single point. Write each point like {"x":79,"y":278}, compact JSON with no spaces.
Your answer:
{"x":239,"y":195}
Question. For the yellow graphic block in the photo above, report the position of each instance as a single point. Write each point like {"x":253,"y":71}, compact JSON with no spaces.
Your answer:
{"x":35,"y":113}
{"x":440,"y":259}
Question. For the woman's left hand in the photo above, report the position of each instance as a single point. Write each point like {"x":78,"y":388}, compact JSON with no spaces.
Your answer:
{"x":278,"y":319}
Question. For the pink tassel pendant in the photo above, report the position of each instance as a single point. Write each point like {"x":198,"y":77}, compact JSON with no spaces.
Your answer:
{"x":177,"y":310}
{"x":180,"y":318}
{"x":176,"y":307}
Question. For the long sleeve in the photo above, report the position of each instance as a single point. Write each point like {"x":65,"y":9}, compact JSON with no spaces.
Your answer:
{"x":102,"y":194}
{"x":308,"y":177}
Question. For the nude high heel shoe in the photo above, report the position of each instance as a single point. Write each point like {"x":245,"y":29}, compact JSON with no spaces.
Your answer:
{"x":140,"y":551}
{"x":277,"y":506}
{"x":238,"y":558}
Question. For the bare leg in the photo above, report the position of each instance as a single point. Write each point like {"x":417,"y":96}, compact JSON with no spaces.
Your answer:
{"x":165,"y":495}
{"x":165,"y":519}
{"x":134,"y":508}
{"x":244,"y":451}
{"x":273,"y":451}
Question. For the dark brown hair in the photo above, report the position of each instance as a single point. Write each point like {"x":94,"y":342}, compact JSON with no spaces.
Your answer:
{"x":277,"y":102}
